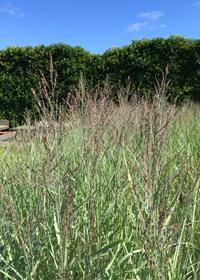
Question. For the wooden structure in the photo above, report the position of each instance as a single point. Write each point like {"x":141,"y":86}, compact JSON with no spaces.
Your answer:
{"x":4,"y":125}
{"x":8,"y":134}
{"x":5,"y":134}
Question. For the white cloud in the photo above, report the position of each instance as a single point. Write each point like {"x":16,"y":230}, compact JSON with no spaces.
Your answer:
{"x":20,"y":15}
{"x":153,"y":26}
{"x":136,"y":26}
{"x":197,"y":3}
{"x":151,"y":15}
{"x":12,"y":11}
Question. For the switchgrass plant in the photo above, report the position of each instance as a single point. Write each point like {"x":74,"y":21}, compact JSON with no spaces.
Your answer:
{"x":103,"y":191}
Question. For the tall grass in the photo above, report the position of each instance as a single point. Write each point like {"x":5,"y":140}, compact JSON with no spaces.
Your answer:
{"x":105,"y":191}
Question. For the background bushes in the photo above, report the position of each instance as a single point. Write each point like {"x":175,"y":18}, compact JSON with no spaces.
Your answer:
{"x":141,"y":60}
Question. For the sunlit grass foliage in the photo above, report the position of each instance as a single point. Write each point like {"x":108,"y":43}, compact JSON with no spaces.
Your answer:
{"x":104,"y":191}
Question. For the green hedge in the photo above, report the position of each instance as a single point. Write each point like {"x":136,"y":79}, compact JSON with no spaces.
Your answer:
{"x":141,"y":60}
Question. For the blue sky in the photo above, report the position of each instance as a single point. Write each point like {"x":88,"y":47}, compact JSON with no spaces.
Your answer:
{"x":95,"y":25}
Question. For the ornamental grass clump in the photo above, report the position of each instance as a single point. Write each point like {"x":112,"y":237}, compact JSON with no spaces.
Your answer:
{"x":162,"y":203}
{"x":103,"y":191}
